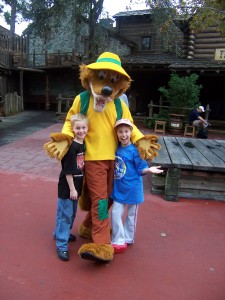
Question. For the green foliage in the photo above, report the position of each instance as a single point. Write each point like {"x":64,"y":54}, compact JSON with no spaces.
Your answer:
{"x":200,"y":13}
{"x":163,"y":115}
{"x":44,"y":15}
{"x":163,"y":18}
{"x":209,"y":13}
{"x":183,"y":92}
{"x":11,"y":11}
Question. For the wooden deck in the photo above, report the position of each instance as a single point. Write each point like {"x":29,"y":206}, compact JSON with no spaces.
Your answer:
{"x":194,"y":168}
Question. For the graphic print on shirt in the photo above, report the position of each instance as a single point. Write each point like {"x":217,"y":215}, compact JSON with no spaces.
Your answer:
{"x":120,"y":168}
{"x":80,"y":161}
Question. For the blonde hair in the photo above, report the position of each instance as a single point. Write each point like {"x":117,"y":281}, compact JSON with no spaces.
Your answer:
{"x":78,"y":117}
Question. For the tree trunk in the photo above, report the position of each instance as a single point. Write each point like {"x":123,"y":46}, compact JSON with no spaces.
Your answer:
{"x":95,"y":11}
{"x":13,"y":23}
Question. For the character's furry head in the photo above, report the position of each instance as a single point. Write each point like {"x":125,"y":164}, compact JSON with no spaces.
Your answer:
{"x":105,"y":79}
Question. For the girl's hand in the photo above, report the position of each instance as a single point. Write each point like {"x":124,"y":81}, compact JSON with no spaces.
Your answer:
{"x":155,"y":170}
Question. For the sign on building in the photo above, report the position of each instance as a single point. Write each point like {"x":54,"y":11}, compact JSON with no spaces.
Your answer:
{"x":219,"y":54}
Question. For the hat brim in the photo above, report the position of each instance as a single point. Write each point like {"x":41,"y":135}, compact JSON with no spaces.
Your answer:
{"x":108,"y":66}
{"x":123,"y":122}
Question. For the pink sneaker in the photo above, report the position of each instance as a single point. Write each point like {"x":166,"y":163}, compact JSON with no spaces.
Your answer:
{"x":119,"y":248}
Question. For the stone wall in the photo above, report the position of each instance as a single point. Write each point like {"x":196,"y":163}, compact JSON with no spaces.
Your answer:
{"x":70,"y":37}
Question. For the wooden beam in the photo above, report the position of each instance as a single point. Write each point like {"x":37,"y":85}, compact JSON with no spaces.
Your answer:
{"x":31,"y":70}
{"x":47,"y":102}
{"x":21,"y":84}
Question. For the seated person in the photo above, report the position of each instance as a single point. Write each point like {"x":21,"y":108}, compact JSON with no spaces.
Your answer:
{"x":195,"y":117}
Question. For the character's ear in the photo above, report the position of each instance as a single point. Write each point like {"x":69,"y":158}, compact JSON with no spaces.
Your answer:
{"x":124,"y":85}
{"x":84,"y":76}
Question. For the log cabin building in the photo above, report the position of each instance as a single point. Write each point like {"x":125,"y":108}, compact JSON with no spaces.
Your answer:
{"x":9,"y":76}
{"x":50,"y":67}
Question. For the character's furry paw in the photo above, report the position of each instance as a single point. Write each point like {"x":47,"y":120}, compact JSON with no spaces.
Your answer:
{"x":58,"y":146}
{"x":96,"y":252}
{"x":84,"y":231}
{"x":148,"y":146}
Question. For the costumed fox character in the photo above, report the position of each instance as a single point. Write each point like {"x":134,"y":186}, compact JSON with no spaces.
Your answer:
{"x":104,"y":81}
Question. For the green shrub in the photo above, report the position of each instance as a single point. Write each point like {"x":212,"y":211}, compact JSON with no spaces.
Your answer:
{"x":183,"y":92}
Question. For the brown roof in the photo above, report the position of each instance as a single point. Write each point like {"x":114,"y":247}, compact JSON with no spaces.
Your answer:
{"x":5,"y":32}
{"x":172,"y":62}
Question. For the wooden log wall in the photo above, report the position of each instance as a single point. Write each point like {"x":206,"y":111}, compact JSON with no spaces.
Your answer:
{"x":202,"y":45}
{"x":132,"y":27}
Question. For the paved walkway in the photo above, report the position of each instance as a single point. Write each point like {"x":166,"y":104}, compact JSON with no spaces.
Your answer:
{"x":179,"y":252}
{"x":18,"y":126}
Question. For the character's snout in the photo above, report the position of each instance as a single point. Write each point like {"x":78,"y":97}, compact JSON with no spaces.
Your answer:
{"x":106,"y":91}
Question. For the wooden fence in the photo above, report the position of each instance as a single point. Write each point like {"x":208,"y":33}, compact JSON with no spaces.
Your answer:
{"x":18,"y":43}
{"x":10,"y":48}
{"x":12,"y":104}
{"x":160,"y":107}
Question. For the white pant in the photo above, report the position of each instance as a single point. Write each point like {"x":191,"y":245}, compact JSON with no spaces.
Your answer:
{"x":123,"y":233}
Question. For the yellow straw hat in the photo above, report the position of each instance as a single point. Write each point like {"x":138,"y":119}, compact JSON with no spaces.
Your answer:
{"x":108,"y":61}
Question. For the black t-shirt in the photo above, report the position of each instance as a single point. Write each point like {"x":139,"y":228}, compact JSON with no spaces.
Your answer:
{"x":194,"y":114}
{"x":72,"y":164}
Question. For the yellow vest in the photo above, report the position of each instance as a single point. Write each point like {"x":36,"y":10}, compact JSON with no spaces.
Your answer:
{"x":101,"y":140}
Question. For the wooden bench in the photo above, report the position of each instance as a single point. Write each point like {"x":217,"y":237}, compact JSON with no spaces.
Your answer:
{"x":160,"y":127}
{"x":189,"y":130}
{"x":194,"y":168}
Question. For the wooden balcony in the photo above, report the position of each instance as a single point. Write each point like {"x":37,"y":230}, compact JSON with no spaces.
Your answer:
{"x":46,"y":60}
{"x":12,"y":51}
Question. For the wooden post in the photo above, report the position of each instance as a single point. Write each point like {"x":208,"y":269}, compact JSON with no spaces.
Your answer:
{"x":59,"y":104}
{"x":26,"y":50}
{"x":47,"y":102}
{"x":207,"y":111}
{"x":33,"y":58}
{"x":150,"y":112}
{"x":58,"y":58}
{"x":172,"y":184}
{"x":46,"y":58}
{"x":21,"y":86}
{"x":160,"y":103}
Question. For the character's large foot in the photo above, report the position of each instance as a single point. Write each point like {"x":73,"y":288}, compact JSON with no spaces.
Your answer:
{"x":96,"y":252}
{"x":84,"y":231}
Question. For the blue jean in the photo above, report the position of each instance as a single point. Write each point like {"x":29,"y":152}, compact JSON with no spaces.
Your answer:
{"x":65,"y":215}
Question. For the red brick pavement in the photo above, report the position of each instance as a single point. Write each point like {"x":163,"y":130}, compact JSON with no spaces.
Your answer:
{"x":179,"y":252}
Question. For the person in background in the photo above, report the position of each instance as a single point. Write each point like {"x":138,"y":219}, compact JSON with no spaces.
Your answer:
{"x":70,"y":186}
{"x":195,"y":117}
{"x":128,"y":186}
{"x":125,"y":99}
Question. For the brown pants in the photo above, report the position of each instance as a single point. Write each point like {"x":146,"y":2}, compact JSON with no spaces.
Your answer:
{"x":99,"y":178}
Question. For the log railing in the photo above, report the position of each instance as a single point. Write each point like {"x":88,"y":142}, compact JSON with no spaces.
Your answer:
{"x":45,"y":59}
{"x":160,"y":107}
